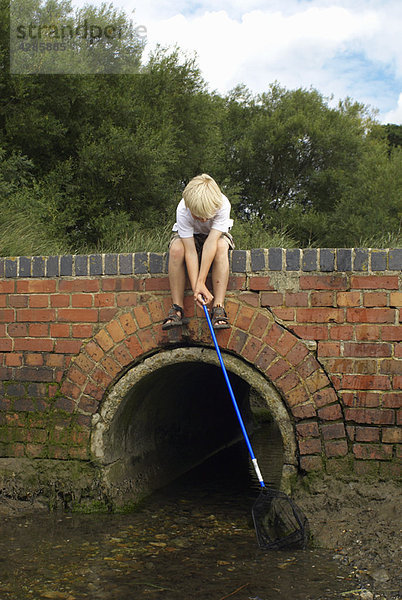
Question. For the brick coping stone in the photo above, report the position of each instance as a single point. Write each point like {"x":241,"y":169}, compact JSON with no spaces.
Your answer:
{"x":326,"y":260}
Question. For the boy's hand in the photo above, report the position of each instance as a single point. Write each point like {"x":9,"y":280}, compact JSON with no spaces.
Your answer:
{"x":202,"y":295}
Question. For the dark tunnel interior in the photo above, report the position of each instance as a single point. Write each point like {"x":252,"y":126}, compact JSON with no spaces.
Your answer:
{"x":173,"y":419}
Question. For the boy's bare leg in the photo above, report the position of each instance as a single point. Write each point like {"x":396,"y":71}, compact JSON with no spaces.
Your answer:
{"x":177,"y":272}
{"x":220,"y":272}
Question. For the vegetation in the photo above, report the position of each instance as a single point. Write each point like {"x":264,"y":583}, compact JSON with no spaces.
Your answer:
{"x":98,"y":162}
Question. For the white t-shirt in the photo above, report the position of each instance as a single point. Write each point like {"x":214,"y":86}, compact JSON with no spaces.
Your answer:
{"x":186,"y":226}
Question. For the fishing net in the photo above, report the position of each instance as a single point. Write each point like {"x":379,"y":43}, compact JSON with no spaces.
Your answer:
{"x":278,"y":522}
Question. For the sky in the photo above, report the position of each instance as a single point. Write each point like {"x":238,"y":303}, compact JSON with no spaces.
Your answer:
{"x":342,"y":48}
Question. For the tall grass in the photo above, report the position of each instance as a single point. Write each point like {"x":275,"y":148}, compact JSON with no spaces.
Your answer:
{"x":23,"y":235}
{"x":382,"y":240}
{"x":140,"y":240}
{"x":248,"y":235}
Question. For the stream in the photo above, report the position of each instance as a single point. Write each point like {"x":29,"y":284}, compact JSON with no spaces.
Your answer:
{"x":193,"y":539}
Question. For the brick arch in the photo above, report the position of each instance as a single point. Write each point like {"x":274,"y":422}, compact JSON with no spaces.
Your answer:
{"x":255,"y":336}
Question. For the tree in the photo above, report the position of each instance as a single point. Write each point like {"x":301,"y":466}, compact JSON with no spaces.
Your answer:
{"x":295,"y":157}
{"x":50,"y":37}
{"x":42,"y":116}
{"x":369,"y":211}
{"x":98,"y":157}
{"x":394,"y":134}
{"x":15,"y":172}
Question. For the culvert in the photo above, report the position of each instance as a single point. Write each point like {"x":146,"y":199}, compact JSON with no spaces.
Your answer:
{"x":171,"y":412}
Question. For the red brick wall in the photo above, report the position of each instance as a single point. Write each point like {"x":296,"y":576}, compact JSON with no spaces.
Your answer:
{"x":329,"y":340}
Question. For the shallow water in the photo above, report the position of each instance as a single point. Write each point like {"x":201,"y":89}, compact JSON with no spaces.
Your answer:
{"x":191,"y":540}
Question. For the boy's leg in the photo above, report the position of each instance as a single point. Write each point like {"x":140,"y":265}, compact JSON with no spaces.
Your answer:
{"x":220,"y":272}
{"x":177,"y":272}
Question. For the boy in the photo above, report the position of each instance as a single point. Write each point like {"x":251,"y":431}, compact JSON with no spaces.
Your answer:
{"x":201,"y":238}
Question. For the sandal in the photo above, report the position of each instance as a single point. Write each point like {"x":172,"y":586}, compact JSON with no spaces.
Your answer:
{"x":173,"y":319}
{"x":219,"y":318}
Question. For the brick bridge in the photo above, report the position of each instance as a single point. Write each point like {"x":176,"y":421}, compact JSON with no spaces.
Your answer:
{"x":89,"y":382}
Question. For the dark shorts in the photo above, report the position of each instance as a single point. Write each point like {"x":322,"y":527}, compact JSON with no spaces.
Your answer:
{"x":199,"y":239}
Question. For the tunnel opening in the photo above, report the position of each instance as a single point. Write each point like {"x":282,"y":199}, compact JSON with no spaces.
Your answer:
{"x":173,"y":412}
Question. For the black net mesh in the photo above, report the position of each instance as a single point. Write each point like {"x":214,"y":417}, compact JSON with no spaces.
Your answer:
{"x":278,"y":522}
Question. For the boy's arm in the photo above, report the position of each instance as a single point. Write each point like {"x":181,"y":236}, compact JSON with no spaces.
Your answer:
{"x":207,"y":257}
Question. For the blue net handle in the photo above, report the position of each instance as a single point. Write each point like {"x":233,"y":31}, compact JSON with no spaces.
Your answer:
{"x":245,"y":434}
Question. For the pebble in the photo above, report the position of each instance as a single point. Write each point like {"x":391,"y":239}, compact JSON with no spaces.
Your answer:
{"x":380,"y":575}
{"x":181,"y":542}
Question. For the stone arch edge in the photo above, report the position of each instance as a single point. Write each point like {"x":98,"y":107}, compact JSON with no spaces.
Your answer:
{"x":255,"y":337}
{"x":112,"y":401}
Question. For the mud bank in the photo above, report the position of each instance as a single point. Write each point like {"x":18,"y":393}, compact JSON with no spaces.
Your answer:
{"x":361,"y":523}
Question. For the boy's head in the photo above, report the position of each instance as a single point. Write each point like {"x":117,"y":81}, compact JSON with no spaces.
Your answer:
{"x":202,"y":196}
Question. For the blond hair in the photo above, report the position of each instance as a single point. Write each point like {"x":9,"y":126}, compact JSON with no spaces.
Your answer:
{"x":203,"y":196}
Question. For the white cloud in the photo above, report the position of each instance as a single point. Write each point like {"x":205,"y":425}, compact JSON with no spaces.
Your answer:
{"x":394,"y":116}
{"x":341,"y":47}
{"x":264,"y":45}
